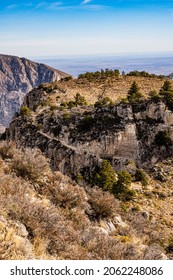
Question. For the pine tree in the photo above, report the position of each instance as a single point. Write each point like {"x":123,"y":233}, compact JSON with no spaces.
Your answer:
{"x":134,"y":93}
{"x":167,"y":86}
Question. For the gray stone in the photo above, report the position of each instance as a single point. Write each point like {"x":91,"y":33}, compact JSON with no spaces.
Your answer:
{"x":17,"y":77}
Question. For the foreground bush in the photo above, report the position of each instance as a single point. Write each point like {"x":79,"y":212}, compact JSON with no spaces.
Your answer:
{"x":103,"y":203}
{"x":67,"y":195}
{"x":7,"y":150}
{"x":30,"y":164}
{"x":58,"y":219}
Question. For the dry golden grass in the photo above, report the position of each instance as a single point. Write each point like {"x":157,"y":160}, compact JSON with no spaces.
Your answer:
{"x":115,"y":89}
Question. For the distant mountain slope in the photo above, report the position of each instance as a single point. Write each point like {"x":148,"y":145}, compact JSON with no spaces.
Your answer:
{"x":170,"y":76}
{"x":17,"y":77}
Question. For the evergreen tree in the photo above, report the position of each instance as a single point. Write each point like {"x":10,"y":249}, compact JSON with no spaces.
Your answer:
{"x":121,"y":188}
{"x":134,"y":93}
{"x":106,"y":177}
{"x":167,"y":86}
{"x":167,"y":91}
{"x":80,"y":100}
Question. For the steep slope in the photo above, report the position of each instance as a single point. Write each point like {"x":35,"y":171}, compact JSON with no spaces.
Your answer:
{"x":45,"y":215}
{"x":77,"y":139}
{"x":132,"y":138}
{"x":17,"y":77}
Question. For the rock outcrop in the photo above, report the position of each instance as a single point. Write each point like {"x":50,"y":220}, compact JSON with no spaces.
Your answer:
{"x":78,"y":139}
{"x":131,"y":135}
{"x":17,"y":77}
{"x":170,"y":76}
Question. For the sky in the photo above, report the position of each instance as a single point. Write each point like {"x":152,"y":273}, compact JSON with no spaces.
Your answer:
{"x":38,"y":28}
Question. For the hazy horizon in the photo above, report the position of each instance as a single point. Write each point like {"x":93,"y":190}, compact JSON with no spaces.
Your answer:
{"x":76,"y":65}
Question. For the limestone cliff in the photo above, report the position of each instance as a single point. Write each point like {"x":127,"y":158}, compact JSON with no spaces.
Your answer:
{"x":17,"y":77}
{"x":77,"y":139}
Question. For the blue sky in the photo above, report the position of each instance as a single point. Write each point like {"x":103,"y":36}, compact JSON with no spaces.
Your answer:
{"x":59,"y":28}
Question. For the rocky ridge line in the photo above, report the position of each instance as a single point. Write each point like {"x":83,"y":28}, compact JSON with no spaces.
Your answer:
{"x":18,"y":76}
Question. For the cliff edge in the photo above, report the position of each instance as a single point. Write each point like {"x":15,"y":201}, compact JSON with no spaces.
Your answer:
{"x":17,"y":77}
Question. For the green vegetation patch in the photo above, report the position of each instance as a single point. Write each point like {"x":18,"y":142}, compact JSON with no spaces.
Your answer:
{"x":167,"y":92}
{"x":121,"y":188}
{"x":134,"y":95}
{"x":25,"y":111}
{"x":100,"y":75}
{"x":105,"y":177}
{"x":162,"y":138}
{"x":141,"y":176}
{"x":116,"y":183}
{"x":106,"y":101}
{"x":86,"y":123}
{"x":79,"y":100}
{"x":143,"y":74}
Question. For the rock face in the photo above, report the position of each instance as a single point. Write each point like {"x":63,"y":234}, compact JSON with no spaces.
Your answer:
{"x":170,"y":76}
{"x":78,"y":139}
{"x":17,"y":77}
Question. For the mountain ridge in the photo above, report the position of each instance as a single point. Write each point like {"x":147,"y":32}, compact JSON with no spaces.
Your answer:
{"x":117,"y":152}
{"x":17,"y":77}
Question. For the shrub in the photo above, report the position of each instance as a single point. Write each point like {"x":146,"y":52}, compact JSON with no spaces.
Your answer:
{"x":63,"y":104}
{"x":169,"y":248}
{"x":162,"y":138}
{"x":7,"y":150}
{"x":25,"y":111}
{"x":79,"y":178}
{"x":48,"y":88}
{"x":66,"y":116}
{"x":80,"y":100}
{"x":30,"y":164}
{"x":140,"y":176}
{"x":67,"y":195}
{"x":12,"y":185}
{"x":39,"y":126}
{"x":167,"y":92}
{"x":71,"y":104}
{"x":154,"y":96}
{"x":66,"y":79}
{"x":102,"y":247}
{"x":86,"y":123}
{"x":124,"y":100}
{"x":13,"y":244}
{"x":121,"y":187}
{"x":103,"y":203}
{"x":100,"y":75}
{"x":169,"y":99}
{"x":106,"y":101}
{"x":53,"y":107}
{"x":167,"y":86}
{"x":44,"y":103}
{"x":140,"y":74}
{"x":106,"y":177}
